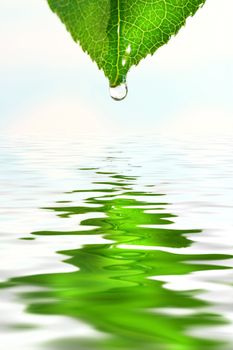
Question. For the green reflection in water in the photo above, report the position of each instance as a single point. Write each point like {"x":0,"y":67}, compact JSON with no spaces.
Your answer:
{"x":112,"y":291}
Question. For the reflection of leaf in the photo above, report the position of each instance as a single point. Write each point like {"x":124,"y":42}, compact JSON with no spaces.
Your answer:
{"x":111,"y":287}
{"x":119,"y":33}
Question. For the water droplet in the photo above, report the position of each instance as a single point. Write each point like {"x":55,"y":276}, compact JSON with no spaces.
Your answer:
{"x":128,"y":50}
{"x":124,"y":62}
{"x":119,"y":92}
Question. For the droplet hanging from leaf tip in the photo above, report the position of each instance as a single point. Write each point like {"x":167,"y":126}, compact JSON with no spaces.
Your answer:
{"x":119,"y":92}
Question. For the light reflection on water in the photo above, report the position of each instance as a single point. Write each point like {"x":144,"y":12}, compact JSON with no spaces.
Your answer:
{"x":116,"y":244}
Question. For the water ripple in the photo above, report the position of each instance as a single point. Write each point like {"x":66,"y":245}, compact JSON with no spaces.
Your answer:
{"x":124,"y":248}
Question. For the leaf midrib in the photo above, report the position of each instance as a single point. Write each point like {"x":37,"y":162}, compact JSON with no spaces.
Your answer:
{"x":118,"y":39}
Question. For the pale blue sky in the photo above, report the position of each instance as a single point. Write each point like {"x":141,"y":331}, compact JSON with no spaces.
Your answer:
{"x":45,"y":75}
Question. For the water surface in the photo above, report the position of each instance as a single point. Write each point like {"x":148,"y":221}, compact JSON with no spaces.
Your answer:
{"x":122,"y":243}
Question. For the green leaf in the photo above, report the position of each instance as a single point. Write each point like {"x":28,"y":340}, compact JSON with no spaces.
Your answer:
{"x":117,"y":34}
